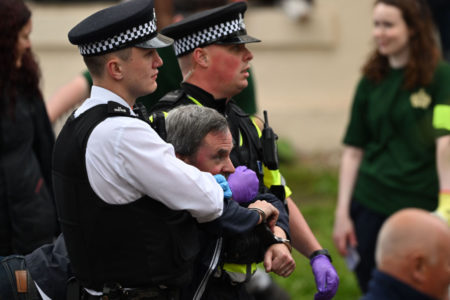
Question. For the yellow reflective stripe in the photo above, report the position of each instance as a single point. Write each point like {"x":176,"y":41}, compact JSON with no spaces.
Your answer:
{"x":441,"y":117}
{"x":288,"y":191}
{"x":256,"y":126}
{"x":238,"y":268}
{"x":151,"y":117}
{"x":194,"y":100}
{"x":273,"y":177}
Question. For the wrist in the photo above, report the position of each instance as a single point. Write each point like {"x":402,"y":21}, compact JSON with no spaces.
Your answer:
{"x":262,"y":214}
{"x":286,"y":242}
{"x":342,"y":212}
{"x":278,"y":231}
{"x":320,"y":252}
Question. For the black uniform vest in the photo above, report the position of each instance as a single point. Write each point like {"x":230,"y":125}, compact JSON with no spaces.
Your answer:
{"x":248,"y":149}
{"x":139,"y":244}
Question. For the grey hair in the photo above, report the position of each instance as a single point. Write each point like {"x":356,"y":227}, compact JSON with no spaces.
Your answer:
{"x":187,"y":125}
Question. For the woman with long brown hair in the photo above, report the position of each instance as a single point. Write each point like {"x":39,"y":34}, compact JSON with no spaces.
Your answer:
{"x":397,"y":144}
{"x":27,"y":211}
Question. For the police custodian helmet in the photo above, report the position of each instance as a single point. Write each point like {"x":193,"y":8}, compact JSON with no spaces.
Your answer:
{"x":128,"y":24}
{"x":222,"y":25}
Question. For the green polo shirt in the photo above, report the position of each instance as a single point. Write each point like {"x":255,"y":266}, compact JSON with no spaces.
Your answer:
{"x":397,"y":128}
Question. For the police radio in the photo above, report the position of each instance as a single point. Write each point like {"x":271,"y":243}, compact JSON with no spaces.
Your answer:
{"x":269,"y":145}
{"x":156,"y":120}
{"x":140,"y":110}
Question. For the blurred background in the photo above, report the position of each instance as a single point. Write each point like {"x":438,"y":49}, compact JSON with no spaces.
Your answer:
{"x":305,"y":71}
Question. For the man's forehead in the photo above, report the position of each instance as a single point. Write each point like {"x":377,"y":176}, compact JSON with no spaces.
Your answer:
{"x":218,"y":139}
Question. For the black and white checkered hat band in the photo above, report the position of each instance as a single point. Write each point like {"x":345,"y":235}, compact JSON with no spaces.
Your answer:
{"x":116,"y":41}
{"x":207,"y":35}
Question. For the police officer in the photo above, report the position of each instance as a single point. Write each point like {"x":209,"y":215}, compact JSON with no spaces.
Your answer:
{"x":228,"y":259}
{"x":214,"y":61}
{"x":123,"y":197}
{"x":48,"y":267}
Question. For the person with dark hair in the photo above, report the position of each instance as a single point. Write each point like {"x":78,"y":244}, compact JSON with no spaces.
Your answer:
{"x":123,"y":197}
{"x":119,"y":188}
{"x":74,"y":92}
{"x":27,"y":211}
{"x":47,"y":270}
{"x":397,"y":143}
{"x":214,"y":60}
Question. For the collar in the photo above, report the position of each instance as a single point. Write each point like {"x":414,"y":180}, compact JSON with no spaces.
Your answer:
{"x":99,"y":96}
{"x":384,"y":284}
{"x":204,"y":97}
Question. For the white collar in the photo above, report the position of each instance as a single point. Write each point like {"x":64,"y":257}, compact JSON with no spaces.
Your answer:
{"x":99,"y":96}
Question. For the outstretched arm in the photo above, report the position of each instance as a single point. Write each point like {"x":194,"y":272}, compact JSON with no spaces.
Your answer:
{"x":443,"y":167}
{"x":326,"y":277}
{"x":344,"y":232}
{"x":67,"y":96}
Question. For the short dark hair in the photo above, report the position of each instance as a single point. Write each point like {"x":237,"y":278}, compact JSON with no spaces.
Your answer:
{"x":96,"y":64}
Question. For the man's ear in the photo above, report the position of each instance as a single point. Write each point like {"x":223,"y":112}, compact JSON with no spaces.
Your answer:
{"x":419,"y":266}
{"x":114,"y":68}
{"x":200,"y":56}
{"x":184,"y":158}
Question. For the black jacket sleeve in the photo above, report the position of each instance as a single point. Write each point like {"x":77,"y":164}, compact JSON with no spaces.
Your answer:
{"x":235,"y":219}
{"x":283,"y":218}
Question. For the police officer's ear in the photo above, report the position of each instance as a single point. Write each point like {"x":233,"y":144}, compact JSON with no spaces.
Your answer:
{"x":114,"y":67}
{"x":200,"y":56}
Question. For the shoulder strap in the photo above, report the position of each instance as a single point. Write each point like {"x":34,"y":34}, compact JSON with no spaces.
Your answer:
{"x":97,"y":114}
{"x":116,"y":109}
{"x":172,"y":97}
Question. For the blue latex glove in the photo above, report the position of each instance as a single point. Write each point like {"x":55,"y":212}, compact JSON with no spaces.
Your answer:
{"x":244,"y":184}
{"x":327,"y":279}
{"x":224,"y":184}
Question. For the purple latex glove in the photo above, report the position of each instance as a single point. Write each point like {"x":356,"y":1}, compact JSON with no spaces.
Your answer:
{"x":244,"y":184}
{"x":327,"y":279}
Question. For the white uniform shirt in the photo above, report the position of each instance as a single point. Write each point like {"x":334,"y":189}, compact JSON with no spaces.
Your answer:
{"x":126,"y":159}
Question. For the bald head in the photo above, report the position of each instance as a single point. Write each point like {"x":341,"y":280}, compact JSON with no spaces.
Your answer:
{"x":414,"y":246}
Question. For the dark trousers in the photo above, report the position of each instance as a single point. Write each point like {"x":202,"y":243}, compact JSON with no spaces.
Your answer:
{"x":8,"y":280}
{"x":367,"y":224}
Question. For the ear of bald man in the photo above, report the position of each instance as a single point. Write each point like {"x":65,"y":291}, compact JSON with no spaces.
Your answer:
{"x":414,"y":247}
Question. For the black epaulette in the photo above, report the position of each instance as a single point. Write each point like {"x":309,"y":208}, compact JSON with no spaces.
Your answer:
{"x":115,"y":108}
{"x":172,"y":97}
{"x":141,"y":111}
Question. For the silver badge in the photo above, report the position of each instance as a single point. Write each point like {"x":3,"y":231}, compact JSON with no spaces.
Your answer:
{"x":241,"y":22}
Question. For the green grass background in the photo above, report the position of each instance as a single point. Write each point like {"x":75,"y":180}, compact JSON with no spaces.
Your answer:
{"x":314,"y":186}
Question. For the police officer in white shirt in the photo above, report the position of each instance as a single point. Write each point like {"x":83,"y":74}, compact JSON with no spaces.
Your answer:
{"x":128,"y":207}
